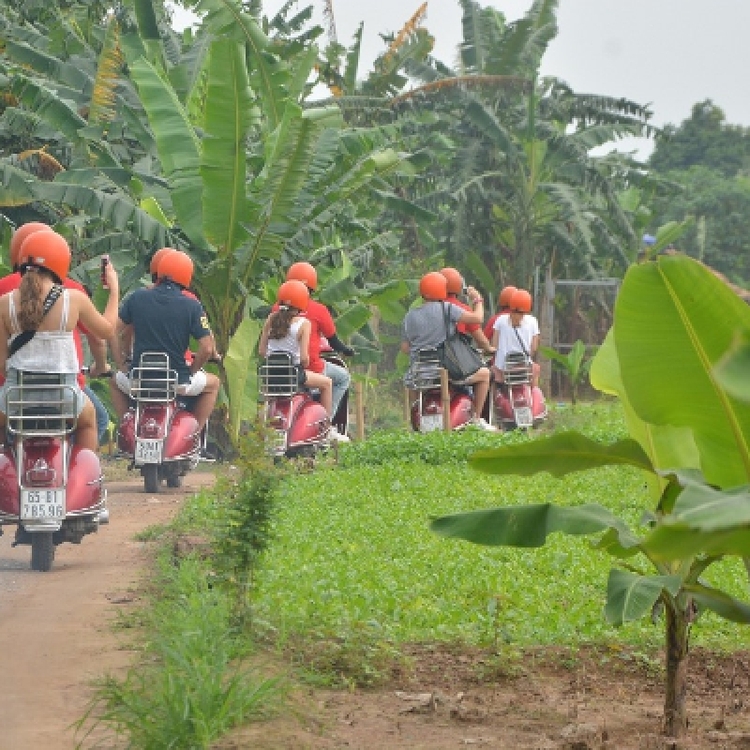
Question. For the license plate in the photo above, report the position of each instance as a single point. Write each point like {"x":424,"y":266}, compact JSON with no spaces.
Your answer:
{"x":524,"y":417}
{"x":148,"y":451}
{"x":37,"y":504}
{"x":431,"y":422}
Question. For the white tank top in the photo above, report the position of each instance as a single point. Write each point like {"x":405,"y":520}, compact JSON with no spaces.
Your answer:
{"x":289,"y":344}
{"x":48,"y":351}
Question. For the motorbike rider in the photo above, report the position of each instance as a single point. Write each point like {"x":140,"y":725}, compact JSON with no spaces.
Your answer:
{"x":503,"y":308}
{"x":323,"y":325}
{"x":286,"y":330}
{"x":163,"y":319}
{"x":424,"y":328}
{"x":97,"y":346}
{"x":455,"y":287}
{"x":34,"y":341}
{"x":515,"y":333}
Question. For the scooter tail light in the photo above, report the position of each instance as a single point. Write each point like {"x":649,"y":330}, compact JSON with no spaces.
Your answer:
{"x":41,"y":474}
{"x":150,"y":428}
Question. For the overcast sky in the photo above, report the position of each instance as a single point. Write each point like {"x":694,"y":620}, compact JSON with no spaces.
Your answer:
{"x":666,"y":53}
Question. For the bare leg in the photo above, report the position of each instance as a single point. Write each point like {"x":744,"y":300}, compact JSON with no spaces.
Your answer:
{"x":86,"y":430}
{"x":481,"y":382}
{"x":205,"y":401}
{"x":119,"y":399}
{"x":316,"y":380}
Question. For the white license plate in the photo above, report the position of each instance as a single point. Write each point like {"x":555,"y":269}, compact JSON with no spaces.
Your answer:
{"x":431,"y":422}
{"x":148,"y":451}
{"x":37,"y":504}
{"x":524,"y":417}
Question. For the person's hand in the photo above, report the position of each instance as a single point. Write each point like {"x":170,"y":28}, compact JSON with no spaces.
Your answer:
{"x":113,"y":282}
{"x":473,"y":294}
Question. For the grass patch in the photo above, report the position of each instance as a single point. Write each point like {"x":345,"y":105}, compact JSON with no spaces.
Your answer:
{"x":352,"y":555}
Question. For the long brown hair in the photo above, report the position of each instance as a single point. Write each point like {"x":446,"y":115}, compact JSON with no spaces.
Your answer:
{"x":281,"y":322}
{"x":31,"y":306}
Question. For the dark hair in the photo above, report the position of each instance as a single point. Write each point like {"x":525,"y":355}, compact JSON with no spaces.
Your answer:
{"x":31,"y":306}
{"x":281,"y":322}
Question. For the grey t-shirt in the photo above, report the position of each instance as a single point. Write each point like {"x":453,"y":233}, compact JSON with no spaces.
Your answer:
{"x":424,"y":326}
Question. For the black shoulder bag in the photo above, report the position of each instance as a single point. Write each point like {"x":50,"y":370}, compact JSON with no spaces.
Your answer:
{"x":457,"y":355}
{"x":24,"y":337}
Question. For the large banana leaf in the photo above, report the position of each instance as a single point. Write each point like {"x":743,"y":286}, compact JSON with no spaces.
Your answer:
{"x":15,"y":186}
{"x":239,"y":366}
{"x":674,"y":322}
{"x":666,"y":446}
{"x":178,"y":147}
{"x":724,"y":605}
{"x":530,"y":525}
{"x":229,"y":115}
{"x":559,"y":454}
{"x":631,"y":596}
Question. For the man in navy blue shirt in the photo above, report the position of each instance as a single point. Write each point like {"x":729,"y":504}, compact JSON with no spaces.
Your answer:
{"x":163,"y":319}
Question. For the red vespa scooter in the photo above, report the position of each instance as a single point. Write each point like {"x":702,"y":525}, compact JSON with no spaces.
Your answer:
{"x":516,"y":402}
{"x":158,"y":431}
{"x":427,"y":409}
{"x":51,"y":489}
{"x":298,"y":424}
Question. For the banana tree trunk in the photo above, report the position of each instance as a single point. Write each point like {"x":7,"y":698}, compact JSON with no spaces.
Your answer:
{"x":677,"y":637}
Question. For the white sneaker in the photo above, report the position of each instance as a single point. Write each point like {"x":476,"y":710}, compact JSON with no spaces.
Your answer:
{"x":334,"y":434}
{"x":482,"y":424}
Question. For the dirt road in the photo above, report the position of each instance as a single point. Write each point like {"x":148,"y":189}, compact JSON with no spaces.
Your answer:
{"x":55,"y":633}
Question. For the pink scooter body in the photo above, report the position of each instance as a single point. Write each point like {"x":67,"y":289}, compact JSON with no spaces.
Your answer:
{"x":430,"y":416}
{"x":519,"y":405}
{"x":158,"y":432}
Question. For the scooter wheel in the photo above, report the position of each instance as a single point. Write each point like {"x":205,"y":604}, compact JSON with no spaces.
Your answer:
{"x":150,"y":478}
{"x":42,"y":551}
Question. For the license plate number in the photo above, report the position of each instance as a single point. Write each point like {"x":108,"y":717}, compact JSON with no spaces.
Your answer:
{"x":42,"y":504}
{"x":524,"y":417}
{"x":431,"y":422}
{"x":148,"y":451}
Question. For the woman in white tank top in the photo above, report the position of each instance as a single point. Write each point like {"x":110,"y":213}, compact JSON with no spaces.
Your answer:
{"x":44,"y":261}
{"x":286,"y":330}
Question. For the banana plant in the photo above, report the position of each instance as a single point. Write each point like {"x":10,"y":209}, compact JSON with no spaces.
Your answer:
{"x":666,"y":358}
{"x":573,"y":364}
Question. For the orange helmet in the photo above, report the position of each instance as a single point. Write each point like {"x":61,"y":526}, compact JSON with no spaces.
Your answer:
{"x":454,"y":279}
{"x":503,"y":299}
{"x":433,"y":286}
{"x":293,"y":293}
{"x":46,"y":250}
{"x":21,"y":234}
{"x":156,"y":259}
{"x":520,"y":301}
{"x":177,"y":266}
{"x":305,"y":273}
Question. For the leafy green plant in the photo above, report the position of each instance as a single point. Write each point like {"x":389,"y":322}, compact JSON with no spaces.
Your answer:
{"x":574,"y":364}
{"x":192,"y":685}
{"x":673,"y":323}
{"x":248,"y":507}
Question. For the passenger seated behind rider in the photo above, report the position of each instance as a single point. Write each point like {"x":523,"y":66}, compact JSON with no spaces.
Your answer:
{"x":517,"y":332}
{"x":287,"y":331}
{"x":456,"y":287}
{"x":44,"y":264}
{"x":424,"y":328}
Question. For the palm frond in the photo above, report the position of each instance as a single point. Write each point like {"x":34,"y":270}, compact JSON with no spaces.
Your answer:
{"x":101,"y":108}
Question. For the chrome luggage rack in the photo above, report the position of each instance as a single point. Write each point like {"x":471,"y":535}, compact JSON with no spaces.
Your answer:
{"x":277,"y":376}
{"x":517,"y":370}
{"x":153,"y":380}
{"x":41,"y":405}
{"x":424,"y":372}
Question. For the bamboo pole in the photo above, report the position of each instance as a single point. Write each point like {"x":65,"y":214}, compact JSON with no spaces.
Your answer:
{"x":445,"y":396}
{"x":359,"y":402}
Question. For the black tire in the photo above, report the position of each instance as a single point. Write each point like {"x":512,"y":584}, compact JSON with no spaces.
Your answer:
{"x":42,"y":551}
{"x":174,"y":480}
{"x":150,"y":478}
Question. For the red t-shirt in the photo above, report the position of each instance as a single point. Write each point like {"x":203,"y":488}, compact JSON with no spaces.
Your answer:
{"x":11,"y":282}
{"x":489,"y":327}
{"x":463,"y":327}
{"x":321,"y":324}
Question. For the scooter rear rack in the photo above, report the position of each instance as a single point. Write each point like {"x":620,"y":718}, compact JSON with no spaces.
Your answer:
{"x":153,"y":380}
{"x":41,"y":406}
{"x":277,"y":376}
